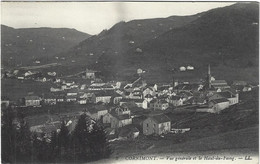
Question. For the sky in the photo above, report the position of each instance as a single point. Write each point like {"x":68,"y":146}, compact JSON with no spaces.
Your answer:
{"x":93,"y":17}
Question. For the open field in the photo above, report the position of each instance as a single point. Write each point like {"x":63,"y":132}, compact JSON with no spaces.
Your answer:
{"x":15,"y":89}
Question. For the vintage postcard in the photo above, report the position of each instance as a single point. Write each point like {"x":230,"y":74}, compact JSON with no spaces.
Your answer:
{"x":129,"y":82}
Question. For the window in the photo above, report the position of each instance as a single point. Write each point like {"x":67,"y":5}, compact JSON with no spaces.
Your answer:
{"x":147,"y":125}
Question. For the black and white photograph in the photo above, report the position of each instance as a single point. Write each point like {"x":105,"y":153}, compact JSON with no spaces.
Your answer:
{"x":129,"y":82}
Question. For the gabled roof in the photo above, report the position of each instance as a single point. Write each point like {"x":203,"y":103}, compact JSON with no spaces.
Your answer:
{"x":73,"y":90}
{"x":226,"y":94}
{"x":148,"y":96}
{"x":89,"y":71}
{"x":161,"y":101}
{"x":221,"y":100}
{"x":92,"y":110}
{"x":132,"y":100}
{"x":103,"y":94}
{"x":175,"y":98}
{"x":219,"y":82}
{"x":160,"y":118}
{"x":121,"y":117}
{"x":32,"y":97}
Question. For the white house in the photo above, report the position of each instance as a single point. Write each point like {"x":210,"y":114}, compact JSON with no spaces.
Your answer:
{"x":182,"y":68}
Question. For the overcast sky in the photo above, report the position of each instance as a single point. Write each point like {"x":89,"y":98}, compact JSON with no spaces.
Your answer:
{"x":93,"y":17}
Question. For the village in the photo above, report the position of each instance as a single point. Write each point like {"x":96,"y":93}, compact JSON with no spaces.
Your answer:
{"x":126,"y":109}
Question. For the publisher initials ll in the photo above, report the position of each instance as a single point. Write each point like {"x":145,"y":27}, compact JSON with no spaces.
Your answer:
{"x":248,"y":158}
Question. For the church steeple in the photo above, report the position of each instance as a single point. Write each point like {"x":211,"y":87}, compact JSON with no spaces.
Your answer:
{"x":209,"y":76}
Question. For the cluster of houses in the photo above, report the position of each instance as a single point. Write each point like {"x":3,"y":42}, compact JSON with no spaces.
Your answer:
{"x":122,"y":106}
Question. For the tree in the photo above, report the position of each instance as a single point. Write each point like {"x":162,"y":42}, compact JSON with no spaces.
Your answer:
{"x":63,"y":137}
{"x":16,"y":137}
{"x":99,"y":144}
{"x":81,"y":137}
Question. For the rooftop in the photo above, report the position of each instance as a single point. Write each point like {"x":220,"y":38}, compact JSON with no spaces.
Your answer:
{"x":32,"y":97}
{"x":221,"y":100}
{"x":161,"y":118}
{"x":132,"y":100}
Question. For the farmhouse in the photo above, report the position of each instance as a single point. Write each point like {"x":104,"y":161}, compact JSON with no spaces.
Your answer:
{"x":220,"y":84}
{"x":72,"y":98}
{"x":139,"y":102}
{"x":232,"y":98}
{"x":49,"y":99}
{"x":219,"y":104}
{"x":121,"y":110}
{"x":159,"y":104}
{"x":175,"y":100}
{"x":148,"y":98}
{"x":118,"y":121}
{"x":150,"y":91}
{"x":5,"y":101}
{"x":157,"y":124}
{"x":128,"y":132}
{"x":72,"y":92}
{"x":32,"y":101}
{"x":90,"y":74}
{"x":104,"y":97}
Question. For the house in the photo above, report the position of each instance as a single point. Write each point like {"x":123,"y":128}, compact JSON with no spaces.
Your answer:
{"x":190,"y":68}
{"x":121,"y":110}
{"x":136,"y":94}
{"x":175,"y":100}
{"x":182,"y":68}
{"x":148,"y":98}
{"x":5,"y":101}
{"x":185,"y":95}
{"x":237,"y":82}
{"x":69,"y":83}
{"x":71,"y":98}
{"x":157,"y":124}
{"x":104,"y":97}
{"x":247,"y":88}
{"x":118,"y":121}
{"x":139,"y":102}
{"x":107,"y":118}
{"x":111,"y":133}
{"x":49,"y":99}
{"x":107,"y":87}
{"x":220,"y":84}
{"x":219,"y":104}
{"x":186,"y":87}
{"x":90,"y":74}
{"x":150,"y":91}
{"x":116,"y":98}
{"x":128,"y":132}
{"x":231,"y":97}
{"x":60,"y":98}
{"x":32,"y":101}
{"x":97,"y":112}
{"x":52,"y":89}
{"x":160,"y":104}
{"x":82,"y":100}
{"x":72,"y":92}
{"x":20,"y":78}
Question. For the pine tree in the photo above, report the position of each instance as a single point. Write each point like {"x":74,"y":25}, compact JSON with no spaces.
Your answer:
{"x":16,"y":137}
{"x":81,"y":137}
{"x":99,"y":143}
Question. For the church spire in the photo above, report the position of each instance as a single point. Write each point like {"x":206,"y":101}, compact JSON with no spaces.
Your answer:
{"x":209,"y":76}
